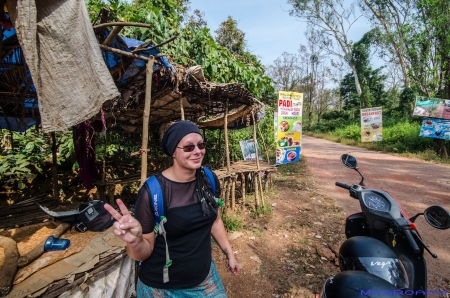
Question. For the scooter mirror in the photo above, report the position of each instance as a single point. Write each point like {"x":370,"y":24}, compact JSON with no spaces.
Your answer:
{"x":437,"y":217}
{"x":349,"y":161}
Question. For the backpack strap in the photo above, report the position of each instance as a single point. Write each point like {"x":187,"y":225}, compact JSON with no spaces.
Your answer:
{"x":157,"y":204}
{"x":212,"y":181}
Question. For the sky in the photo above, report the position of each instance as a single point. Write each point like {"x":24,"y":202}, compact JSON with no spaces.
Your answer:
{"x":269,"y":30}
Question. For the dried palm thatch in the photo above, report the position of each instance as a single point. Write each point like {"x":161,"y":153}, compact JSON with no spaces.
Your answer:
{"x":177,"y":92}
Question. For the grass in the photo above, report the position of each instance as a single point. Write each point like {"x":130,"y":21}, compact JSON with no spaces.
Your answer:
{"x":232,"y":222}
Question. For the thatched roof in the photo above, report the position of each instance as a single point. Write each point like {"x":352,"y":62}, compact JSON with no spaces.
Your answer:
{"x":203,"y":102}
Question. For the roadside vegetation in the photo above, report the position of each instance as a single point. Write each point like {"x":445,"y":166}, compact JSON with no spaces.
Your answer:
{"x":335,"y":75}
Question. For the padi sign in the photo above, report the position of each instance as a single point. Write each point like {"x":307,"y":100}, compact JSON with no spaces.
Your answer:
{"x":401,"y":293}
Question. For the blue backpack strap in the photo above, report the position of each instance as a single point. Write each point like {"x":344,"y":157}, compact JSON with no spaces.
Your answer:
{"x":212,"y":181}
{"x":157,"y":204}
{"x":156,"y":197}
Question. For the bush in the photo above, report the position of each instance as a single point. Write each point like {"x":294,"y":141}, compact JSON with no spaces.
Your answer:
{"x":232,"y":222}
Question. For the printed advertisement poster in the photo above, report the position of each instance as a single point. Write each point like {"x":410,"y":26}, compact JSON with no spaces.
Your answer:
{"x":371,"y":125}
{"x":432,"y":107}
{"x":289,"y":127}
{"x":435,"y":128}
{"x":248,"y":149}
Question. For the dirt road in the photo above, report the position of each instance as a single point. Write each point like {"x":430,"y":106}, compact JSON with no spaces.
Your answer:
{"x":415,"y":184}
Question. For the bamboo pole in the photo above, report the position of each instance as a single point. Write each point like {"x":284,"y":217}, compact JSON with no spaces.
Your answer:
{"x":103,"y":187}
{"x":181,"y":108}
{"x":243,"y":187}
{"x":228,"y":194}
{"x":225,"y":195}
{"x":233,"y":192}
{"x":148,"y":99}
{"x":54,"y":167}
{"x":258,"y":176}
{"x":220,"y":150}
{"x":114,"y":32}
{"x":264,"y":144}
{"x":123,"y":53}
{"x":122,"y":24}
{"x":225,"y":130}
{"x":255,"y":185}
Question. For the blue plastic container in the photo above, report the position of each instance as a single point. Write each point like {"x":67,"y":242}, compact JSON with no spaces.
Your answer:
{"x":53,"y":243}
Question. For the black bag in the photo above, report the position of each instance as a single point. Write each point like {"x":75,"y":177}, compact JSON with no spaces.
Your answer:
{"x":93,"y":216}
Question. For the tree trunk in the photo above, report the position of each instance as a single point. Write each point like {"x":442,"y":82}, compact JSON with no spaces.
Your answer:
{"x":357,"y":84}
{"x":397,"y":47}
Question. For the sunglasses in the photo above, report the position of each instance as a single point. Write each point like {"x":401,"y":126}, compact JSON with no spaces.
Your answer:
{"x":190,"y":148}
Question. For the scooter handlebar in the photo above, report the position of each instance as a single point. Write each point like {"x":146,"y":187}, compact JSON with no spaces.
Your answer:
{"x":343,"y":185}
{"x":412,"y":242}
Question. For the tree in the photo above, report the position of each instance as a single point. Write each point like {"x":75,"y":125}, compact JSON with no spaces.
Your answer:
{"x":314,"y":61}
{"x":197,"y":20}
{"x":390,"y":17}
{"x":330,"y":21}
{"x":230,"y":36}
{"x":286,"y":72}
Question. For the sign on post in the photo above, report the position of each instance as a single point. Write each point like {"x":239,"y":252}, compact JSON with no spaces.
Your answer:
{"x":371,"y":125}
{"x":289,"y":127}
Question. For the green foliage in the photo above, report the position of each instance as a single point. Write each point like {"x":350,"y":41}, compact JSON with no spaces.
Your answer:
{"x":173,"y":11}
{"x":352,"y":131}
{"x":194,"y":44}
{"x":230,"y":36}
{"x":398,"y":136}
{"x":29,"y":155}
{"x":232,"y":222}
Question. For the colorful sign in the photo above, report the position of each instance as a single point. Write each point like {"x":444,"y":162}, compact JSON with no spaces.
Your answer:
{"x":248,"y":149}
{"x":435,"y":128}
{"x":432,"y":107}
{"x":289,"y":127}
{"x":371,"y":125}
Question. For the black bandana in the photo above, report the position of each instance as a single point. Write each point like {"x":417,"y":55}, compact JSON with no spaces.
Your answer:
{"x":175,"y":133}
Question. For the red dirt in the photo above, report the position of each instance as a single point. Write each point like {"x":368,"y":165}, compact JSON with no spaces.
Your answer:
{"x":279,"y":253}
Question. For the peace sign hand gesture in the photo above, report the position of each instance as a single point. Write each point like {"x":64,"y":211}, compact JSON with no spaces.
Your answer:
{"x":126,"y":227}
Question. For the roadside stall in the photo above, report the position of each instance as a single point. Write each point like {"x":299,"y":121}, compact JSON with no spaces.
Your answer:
{"x":129,"y":85}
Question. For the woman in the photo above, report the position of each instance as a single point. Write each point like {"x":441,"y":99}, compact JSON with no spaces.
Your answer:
{"x":191,"y":222}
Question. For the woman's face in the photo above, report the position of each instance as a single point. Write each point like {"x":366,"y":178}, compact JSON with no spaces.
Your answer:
{"x":193,"y":159}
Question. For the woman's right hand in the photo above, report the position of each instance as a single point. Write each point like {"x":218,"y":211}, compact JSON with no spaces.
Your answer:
{"x":126,"y":227}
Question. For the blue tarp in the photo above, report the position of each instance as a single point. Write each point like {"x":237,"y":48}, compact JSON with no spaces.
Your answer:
{"x":111,"y":60}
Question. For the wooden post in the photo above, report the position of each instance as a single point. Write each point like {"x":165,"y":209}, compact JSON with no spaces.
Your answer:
{"x":103,"y":187}
{"x":243,"y":187}
{"x":225,"y":195}
{"x":228,"y":194}
{"x":114,"y":32}
{"x":225,"y":130}
{"x":233,"y":192}
{"x":181,"y":108}
{"x":55,"y":167}
{"x":264,"y":144}
{"x":220,"y":149}
{"x":255,"y":184}
{"x":258,"y":176}
{"x":148,"y":100}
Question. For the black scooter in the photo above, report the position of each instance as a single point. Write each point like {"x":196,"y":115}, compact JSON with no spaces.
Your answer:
{"x":383,"y":253}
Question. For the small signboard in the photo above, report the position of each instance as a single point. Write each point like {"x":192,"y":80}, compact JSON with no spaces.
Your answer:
{"x":432,"y":107}
{"x":371,"y":125}
{"x":435,"y":128}
{"x":248,"y":149}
